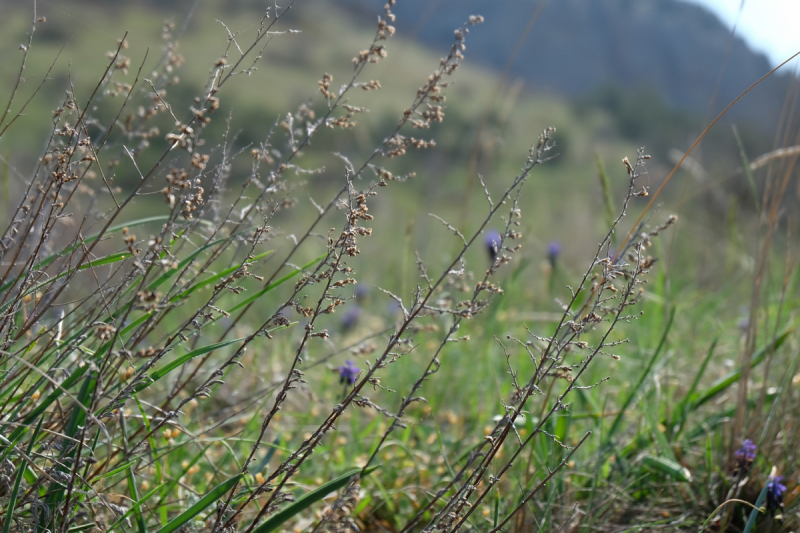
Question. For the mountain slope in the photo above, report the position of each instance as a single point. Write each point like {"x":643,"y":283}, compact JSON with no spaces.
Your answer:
{"x":576,"y":46}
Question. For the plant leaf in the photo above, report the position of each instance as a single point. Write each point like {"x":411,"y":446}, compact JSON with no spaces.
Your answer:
{"x":729,"y":379}
{"x":667,"y":466}
{"x":205,"y":502}
{"x":304,"y":502}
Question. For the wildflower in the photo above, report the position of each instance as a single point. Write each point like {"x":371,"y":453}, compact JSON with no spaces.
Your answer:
{"x":775,"y":492}
{"x":744,"y":323}
{"x":492,"y":242}
{"x":746,"y":454}
{"x":361,"y":292}
{"x":553,"y":251}
{"x":348,"y":372}
{"x":351,"y":317}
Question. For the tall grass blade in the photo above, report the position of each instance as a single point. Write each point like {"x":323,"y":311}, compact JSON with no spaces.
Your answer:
{"x":180,"y":361}
{"x":134,"y":508}
{"x":308,"y":500}
{"x":635,"y":391}
{"x":748,"y":172}
{"x":668,"y":467}
{"x":12,"y":497}
{"x":751,"y":521}
{"x":683,"y":409}
{"x":722,"y":384}
{"x":274,"y":284}
{"x":204,"y":503}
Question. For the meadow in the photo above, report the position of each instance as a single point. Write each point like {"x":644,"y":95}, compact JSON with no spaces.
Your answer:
{"x":295,"y":273}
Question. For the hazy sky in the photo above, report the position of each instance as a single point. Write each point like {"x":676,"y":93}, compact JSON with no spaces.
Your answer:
{"x":769,"y":26}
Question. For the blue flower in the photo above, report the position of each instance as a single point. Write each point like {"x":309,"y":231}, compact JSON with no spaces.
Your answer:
{"x":348,"y":372}
{"x":362,"y":291}
{"x":775,"y":492}
{"x":351,"y":317}
{"x":553,"y":251}
{"x":492,"y":242}
{"x":747,"y":453}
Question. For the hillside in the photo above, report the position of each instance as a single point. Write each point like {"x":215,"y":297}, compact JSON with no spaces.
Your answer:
{"x":579,"y":46}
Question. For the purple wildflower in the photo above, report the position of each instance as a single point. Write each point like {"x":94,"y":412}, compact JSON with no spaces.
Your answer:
{"x":492,"y":242}
{"x":744,"y":323}
{"x":553,"y":251}
{"x":348,"y":372}
{"x":775,"y":492}
{"x":746,"y":454}
{"x":351,"y":316}
{"x":362,"y":291}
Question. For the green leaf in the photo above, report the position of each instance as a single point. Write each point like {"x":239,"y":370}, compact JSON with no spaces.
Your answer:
{"x":635,"y":390}
{"x":135,"y":507}
{"x":113,"y":258}
{"x":205,"y":502}
{"x":216,"y":277}
{"x":83,"y":242}
{"x":306,"y":501}
{"x":76,"y":422}
{"x":172,"y":365}
{"x":172,"y":484}
{"x":117,"y":470}
{"x":684,"y":407}
{"x":751,"y":521}
{"x":82,"y":527}
{"x":748,"y":172}
{"x":84,"y":398}
{"x":134,"y":492}
{"x":18,"y":481}
{"x":41,"y":408}
{"x":722,"y":384}
{"x":274,"y":284}
{"x":667,"y":466}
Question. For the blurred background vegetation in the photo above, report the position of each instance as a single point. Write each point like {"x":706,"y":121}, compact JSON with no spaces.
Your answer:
{"x":610,"y":76}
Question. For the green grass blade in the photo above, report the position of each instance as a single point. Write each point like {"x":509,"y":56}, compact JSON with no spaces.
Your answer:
{"x":18,"y":481}
{"x":268,"y":456}
{"x":722,"y":384}
{"x":668,"y":467}
{"x":135,"y":507}
{"x":709,"y":424}
{"x":635,"y":390}
{"x":134,"y":492}
{"x":107,"y":260}
{"x":215,"y":278}
{"x":174,"y":483}
{"x":42,"y":407}
{"x":183,"y":263}
{"x":75,"y":423}
{"x":83,"y":527}
{"x":683,"y":409}
{"x":306,"y":501}
{"x":650,"y":411}
{"x":84,"y":398}
{"x":274,"y":284}
{"x":747,"y":171}
{"x":172,"y":365}
{"x":115,"y":229}
{"x":117,"y":470}
{"x":205,"y":502}
{"x":608,"y":197}
{"x":751,"y":521}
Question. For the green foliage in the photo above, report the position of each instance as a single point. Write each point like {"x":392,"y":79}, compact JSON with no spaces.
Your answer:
{"x":144,"y":376}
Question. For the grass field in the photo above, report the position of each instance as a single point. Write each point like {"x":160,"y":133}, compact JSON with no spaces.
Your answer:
{"x":227,"y":305}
